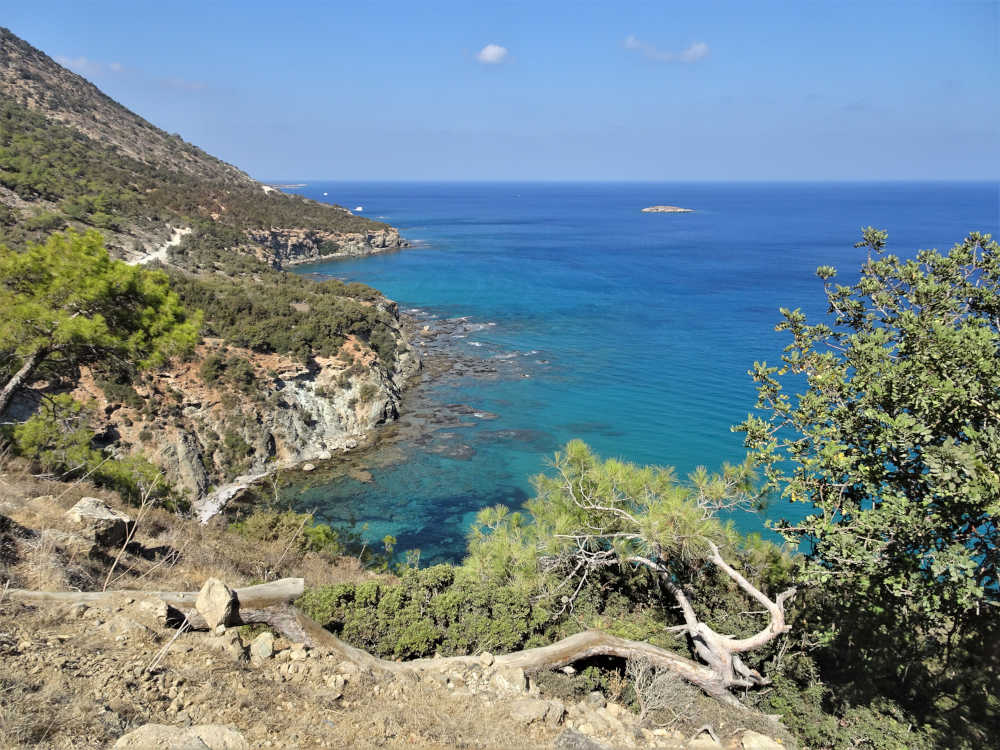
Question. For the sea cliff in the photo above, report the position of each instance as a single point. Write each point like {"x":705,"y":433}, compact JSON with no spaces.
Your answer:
{"x":289,"y":247}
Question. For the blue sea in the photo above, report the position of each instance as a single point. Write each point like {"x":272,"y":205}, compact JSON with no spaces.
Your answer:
{"x":572,"y":314}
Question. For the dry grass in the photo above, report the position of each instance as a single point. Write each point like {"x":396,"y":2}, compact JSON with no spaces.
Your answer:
{"x":168,"y":552}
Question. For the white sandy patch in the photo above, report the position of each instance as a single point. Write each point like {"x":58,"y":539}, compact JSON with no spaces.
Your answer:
{"x":160,"y":253}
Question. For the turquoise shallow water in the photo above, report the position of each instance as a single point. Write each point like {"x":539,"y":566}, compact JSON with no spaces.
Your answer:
{"x":591,"y":319}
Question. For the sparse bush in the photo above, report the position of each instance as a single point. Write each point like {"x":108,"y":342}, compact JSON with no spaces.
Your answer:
{"x":60,"y":439}
{"x":296,"y":529}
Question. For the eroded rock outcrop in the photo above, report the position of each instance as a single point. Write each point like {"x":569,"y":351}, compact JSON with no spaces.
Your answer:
{"x":205,"y":435}
{"x":288,"y":247}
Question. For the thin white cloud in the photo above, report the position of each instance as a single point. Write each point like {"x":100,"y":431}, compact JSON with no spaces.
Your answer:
{"x":81,"y":65}
{"x":492,"y":54}
{"x":692,"y":53}
{"x":96,"y":69}
{"x":87,"y":67}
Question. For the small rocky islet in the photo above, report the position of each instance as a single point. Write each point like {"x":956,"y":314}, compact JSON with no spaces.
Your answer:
{"x":667,"y":210}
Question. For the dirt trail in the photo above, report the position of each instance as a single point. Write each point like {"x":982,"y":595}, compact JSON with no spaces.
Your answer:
{"x":160,"y":254}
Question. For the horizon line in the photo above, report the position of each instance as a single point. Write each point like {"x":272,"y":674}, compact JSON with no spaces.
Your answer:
{"x":592,"y":181}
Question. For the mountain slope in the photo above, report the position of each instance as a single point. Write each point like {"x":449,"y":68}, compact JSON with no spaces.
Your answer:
{"x":70,"y":156}
{"x":290,"y":370}
{"x":34,"y":80}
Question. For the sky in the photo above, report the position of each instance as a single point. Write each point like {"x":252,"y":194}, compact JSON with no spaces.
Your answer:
{"x":658,"y":91}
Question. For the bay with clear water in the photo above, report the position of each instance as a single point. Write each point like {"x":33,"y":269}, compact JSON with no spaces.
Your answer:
{"x":569,"y":313}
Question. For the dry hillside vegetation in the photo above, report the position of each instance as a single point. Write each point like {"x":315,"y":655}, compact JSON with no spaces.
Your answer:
{"x":84,"y":674}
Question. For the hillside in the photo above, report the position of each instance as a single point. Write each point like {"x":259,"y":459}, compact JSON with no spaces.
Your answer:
{"x":70,"y":156}
{"x":290,"y":370}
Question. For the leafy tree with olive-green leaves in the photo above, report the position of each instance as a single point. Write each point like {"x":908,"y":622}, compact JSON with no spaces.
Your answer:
{"x":894,"y":440}
{"x":67,"y":303}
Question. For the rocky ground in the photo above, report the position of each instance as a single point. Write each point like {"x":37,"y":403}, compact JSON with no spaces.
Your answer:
{"x":114,"y":673}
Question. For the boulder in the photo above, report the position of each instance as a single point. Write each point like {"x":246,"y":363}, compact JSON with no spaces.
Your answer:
{"x":106,"y":526}
{"x":215,"y":603}
{"x":163,"y":737}
{"x":73,"y":546}
{"x":508,"y":680}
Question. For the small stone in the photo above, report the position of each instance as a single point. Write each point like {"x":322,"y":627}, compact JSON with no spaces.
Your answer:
{"x":215,"y":602}
{"x":756,"y":741}
{"x":555,"y":713}
{"x":595,"y":699}
{"x":510,"y":680}
{"x":297,"y":652}
{"x":528,"y":710}
{"x":486,"y":659}
{"x":203,"y":737}
{"x":308,"y":467}
{"x":262,"y":647}
{"x":570,"y":740}
{"x":346,"y":668}
{"x":704,"y":739}
{"x":220,"y":629}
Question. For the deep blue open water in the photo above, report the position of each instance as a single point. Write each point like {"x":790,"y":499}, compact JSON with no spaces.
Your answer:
{"x":631,"y":331}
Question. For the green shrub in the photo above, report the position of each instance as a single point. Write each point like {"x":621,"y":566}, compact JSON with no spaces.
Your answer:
{"x":274,"y":526}
{"x":211,"y":368}
{"x":60,"y":438}
{"x":438,"y":609}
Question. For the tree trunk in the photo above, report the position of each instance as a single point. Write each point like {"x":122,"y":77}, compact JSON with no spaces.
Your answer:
{"x":20,"y":378}
{"x":261,"y":596}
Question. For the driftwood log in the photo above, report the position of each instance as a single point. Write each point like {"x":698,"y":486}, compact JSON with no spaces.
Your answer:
{"x":271,"y":604}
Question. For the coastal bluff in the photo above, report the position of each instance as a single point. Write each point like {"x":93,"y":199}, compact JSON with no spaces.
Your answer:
{"x":667,"y":210}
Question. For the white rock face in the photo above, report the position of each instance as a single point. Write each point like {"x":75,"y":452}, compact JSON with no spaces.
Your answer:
{"x":106,"y":526}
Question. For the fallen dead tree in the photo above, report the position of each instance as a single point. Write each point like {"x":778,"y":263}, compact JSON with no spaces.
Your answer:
{"x":271,"y":604}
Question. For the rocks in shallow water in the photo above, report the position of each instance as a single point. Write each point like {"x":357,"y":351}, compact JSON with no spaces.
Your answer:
{"x":106,"y":526}
{"x":308,"y":467}
{"x":215,"y":603}
{"x":164,"y":737}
